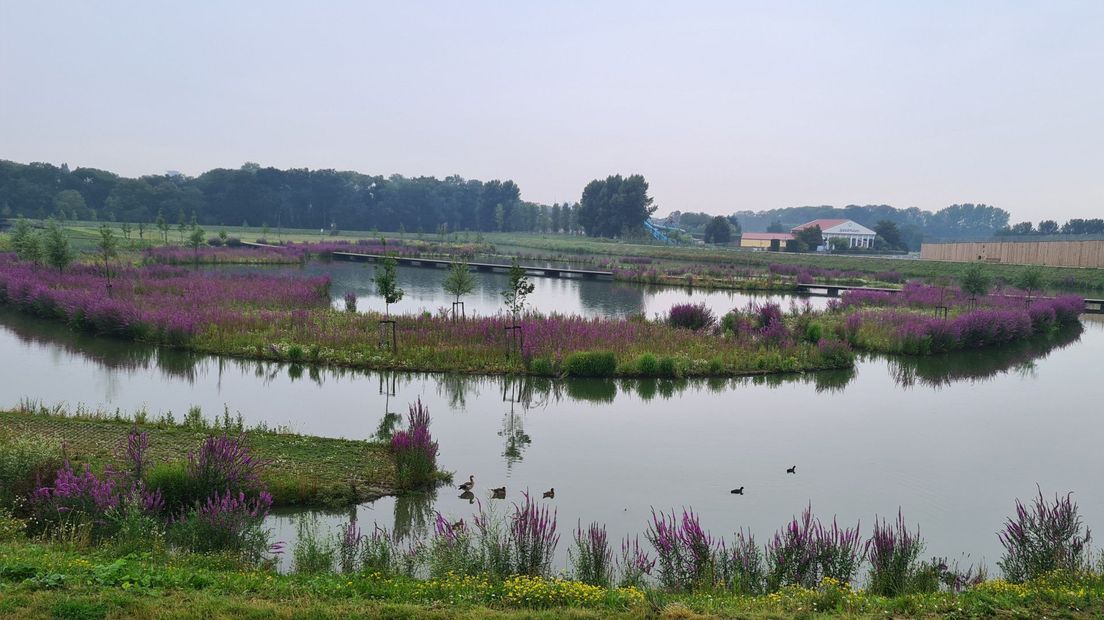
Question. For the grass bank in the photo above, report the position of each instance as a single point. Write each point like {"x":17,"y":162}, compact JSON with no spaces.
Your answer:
{"x":290,"y":319}
{"x":39,"y":580}
{"x":305,"y":470}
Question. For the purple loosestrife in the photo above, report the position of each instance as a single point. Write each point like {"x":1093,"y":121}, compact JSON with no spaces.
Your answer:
{"x":414,"y":449}
{"x":635,"y":564}
{"x":135,"y":453}
{"x":225,"y":465}
{"x":1045,"y":537}
{"x":805,"y":551}
{"x":894,"y":554}
{"x":740,"y":567}
{"x":592,"y":558}
{"x":691,"y":316}
{"x":684,"y":551}
{"x":534,"y":538}
{"x":348,"y":549}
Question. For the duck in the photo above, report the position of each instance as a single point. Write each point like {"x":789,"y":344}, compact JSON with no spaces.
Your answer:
{"x":550,"y":493}
{"x":792,"y":470}
{"x":739,"y":491}
{"x":458,"y":526}
{"x":498,"y":493}
{"x":469,"y":485}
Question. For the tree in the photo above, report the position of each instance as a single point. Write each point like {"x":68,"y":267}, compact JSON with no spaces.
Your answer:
{"x":1023,"y":228}
{"x":1030,"y":280}
{"x":181,"y":225}
{"x":56,"y":248}
{"x":518,"y":290}
{"x":195,"y":241}
{"x":163,"y":226}
{"x":71,"y":203}
{"x":20,"y":233}
{"x":1048,"y":227}
{"x":386,"y":281}
{"x":974,"y":281}
{"x":459,"y":282}
{"x":141,"y":230}
{"x":125,"y":227}
{"x":718,"y":230}
{"x":107,"y":247}
{"x":776,"y":227}
{"x":809,"y":239}
{"x":889,"y":233}
{"x":614,"y":206}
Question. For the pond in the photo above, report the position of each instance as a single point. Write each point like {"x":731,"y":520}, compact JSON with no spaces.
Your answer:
{"x":587,"y":297}
{"x":951,"y":440}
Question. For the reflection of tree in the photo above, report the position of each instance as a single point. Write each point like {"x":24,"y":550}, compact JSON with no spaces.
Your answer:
{"x":606,"y":299}
{"x":978,"y":365}
{"x":592,"y":390}
{"x":388,"y":387}
{"x":414,"y":513}
{"x":455,"y":387}
{"x":517,"y":391}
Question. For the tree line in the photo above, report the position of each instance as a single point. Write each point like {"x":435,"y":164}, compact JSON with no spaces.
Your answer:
{"x":296,"y":198}
{"x":1076,"y":226}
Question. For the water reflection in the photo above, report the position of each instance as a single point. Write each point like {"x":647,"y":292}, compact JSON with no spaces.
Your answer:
{"x":978,"y":366}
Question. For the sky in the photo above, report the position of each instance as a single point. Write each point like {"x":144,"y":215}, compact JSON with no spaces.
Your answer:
{"x":723,"y":107}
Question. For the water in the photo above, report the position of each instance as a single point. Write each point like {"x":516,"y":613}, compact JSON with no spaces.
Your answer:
{"x":951,"y":440}
{"x":423,"y":293}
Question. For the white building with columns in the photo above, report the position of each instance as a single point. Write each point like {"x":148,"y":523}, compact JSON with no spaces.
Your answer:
{"x":854,"y":234}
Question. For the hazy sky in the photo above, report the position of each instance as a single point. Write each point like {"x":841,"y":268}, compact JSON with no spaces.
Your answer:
{"x":722,"y":106}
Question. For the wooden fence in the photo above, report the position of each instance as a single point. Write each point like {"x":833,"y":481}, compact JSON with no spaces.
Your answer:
{"x":1049,"y":253}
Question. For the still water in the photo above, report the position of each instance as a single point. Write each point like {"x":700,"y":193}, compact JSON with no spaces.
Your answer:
{"x":951,"y":440}
{"x":423,"y":292}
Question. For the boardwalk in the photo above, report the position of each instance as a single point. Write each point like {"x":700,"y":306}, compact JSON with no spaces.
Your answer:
{"x":548,"y":272}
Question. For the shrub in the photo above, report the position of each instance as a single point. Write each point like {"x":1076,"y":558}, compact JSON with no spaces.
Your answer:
{"x":414,"y":449}
{"x":590,"y":364}
{"x":813,"y":332}
{"x":667,"y":367}
{"x":542,"y":366}
{"x":1044,"y":538}
{"x":23,"y":461}
{"x":592,"y":559}
{"x":647,"y":365}
{"x":295,"y":353}
{"x":691,"y":316}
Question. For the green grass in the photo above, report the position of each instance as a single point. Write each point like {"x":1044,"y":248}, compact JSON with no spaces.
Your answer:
{"x":1063,"y":278}
{"x":304,"y":470}
{"x":39,"y":580}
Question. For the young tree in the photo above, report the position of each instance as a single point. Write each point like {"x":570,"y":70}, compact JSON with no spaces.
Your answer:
{"x":1030,"y":280}
{"x":108,"y":248}
{"x":718,"y":230}
{"x":56,"y":248}
{"x":181,"y":225}
{"x":458,"y":282}
{"x":195,"y":241}
{"x":141,"y":230}
{"x":519,"y":289}
{"x":974,"y":281}
{"x":387,"y":284}
{"x":21,"y":235}
{"x":163,"y":227}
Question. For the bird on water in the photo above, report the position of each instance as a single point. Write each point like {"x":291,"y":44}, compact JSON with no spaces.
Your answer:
{"x":739,"y":491}
{"x":550,"y":493}
{"x":469,"y":485}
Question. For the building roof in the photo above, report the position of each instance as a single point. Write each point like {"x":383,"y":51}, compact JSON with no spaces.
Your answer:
{"x":824,"y":224}
{"x":766,"y":236}
{"x":839,"y":227}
